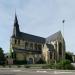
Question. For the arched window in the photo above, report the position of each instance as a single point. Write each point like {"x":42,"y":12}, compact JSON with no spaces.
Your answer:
{"x":39,"y":47}
{"x":60,"y":48}
{"x":15,"y":41}
{"x":30,"y":61}
{"x":18,"y":41}
{"x":31,"y":45}
{"x":50,"y":55}
{"x":26,"y":45}
{"x":35,"y":46}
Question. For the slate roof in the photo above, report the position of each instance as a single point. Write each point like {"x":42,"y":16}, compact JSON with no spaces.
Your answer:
{"x":30,"y":37}
{"x":21,"y":35}
{"x":53,"y":37}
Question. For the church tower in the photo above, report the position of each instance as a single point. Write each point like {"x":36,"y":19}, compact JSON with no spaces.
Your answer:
{"x":14,"y":38}
{"x":16,"y":30}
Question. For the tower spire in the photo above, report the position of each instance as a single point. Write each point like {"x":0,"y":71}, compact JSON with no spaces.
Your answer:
{"x":16,"y":20}
{"x":16,"y":29}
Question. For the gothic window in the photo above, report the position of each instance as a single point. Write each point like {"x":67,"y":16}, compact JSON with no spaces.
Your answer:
{"x":50,"y":55}
{"x":60,"y":48}
{"x":35,"y":46}
{"x":26,"y":45}
{"x":39,"y":47}
{"x":18,"y":41}
{"x":31,"y":45}
{"x":15,"y":41}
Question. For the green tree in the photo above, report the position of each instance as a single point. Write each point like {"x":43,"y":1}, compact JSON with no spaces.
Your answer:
{"x":68,"y":56}
{"x":2,"y":58}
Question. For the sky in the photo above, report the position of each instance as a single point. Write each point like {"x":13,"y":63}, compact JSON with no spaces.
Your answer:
{"x":38,"y":17}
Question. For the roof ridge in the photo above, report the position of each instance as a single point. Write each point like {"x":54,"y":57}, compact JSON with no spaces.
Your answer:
{"x":32,"y":35}
{"x":53,"y":36}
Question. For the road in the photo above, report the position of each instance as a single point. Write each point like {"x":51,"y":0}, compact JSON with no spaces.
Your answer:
{"x":21,"y":71}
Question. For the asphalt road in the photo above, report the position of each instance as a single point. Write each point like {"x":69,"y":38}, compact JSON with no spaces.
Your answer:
{"x":21,"y":71}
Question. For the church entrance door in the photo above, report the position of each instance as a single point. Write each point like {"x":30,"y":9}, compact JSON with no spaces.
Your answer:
{"x":30,"y":61}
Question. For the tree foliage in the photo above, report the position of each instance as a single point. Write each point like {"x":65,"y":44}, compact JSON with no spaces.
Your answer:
{"x":40,"y":61}
{"x":63,"y":65}
{"x":2,"y":59}
{"x":68,"y":56}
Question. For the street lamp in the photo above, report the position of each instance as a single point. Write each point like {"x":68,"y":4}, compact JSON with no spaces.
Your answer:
{"x":63,"y":42}
{"x":63,"y":26}
{"x":63,"y":38}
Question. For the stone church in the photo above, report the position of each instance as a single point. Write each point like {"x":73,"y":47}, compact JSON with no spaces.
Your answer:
{"x":32,"y":48}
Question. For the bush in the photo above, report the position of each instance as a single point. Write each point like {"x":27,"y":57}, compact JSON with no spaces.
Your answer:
{"x":18,"y":66}
{"x":51,"y":66}
{"x":41,"y":61}
{"x":17,"y":62}
{"x":3,"y":65}
{"x":9,"y":66}
{"x":45,"y":67}
{"x":69,"y":67}
{"x":26,"y":66}
{"x":64,"y":64}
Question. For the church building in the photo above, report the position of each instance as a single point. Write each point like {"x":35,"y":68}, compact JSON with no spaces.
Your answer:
{"x":32,"y":48}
